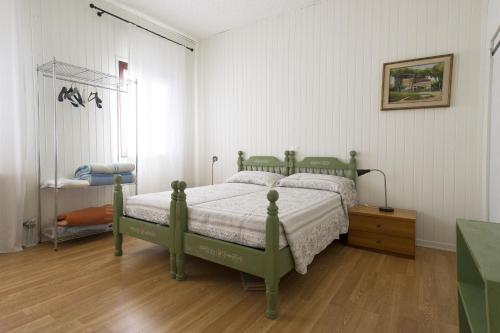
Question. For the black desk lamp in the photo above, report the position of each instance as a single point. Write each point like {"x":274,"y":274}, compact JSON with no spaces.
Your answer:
{"x":214,"y":159}
{"x":386,"y":208}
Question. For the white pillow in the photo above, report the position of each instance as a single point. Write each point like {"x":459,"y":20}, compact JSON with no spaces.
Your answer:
{"x":255,"y":177}
{"x":341,"y":185}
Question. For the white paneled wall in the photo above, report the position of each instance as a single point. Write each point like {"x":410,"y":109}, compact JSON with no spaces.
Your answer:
{"x":494,"y":116}
{"x":311,"y":78}
{"x":70,"y":31}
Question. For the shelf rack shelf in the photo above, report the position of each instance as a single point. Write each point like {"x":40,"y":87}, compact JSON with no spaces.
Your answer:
{"x":72,"y":236}
{"x":62,"y":71}
{"x":51,"y":188}
{"x":76,"y":74}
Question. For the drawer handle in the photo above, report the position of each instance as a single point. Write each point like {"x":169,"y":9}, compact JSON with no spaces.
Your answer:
{"x":378,"y":241}
{"x":379,"y":225}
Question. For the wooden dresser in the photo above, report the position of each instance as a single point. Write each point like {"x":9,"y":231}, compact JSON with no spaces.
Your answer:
{"x":391,"y":232}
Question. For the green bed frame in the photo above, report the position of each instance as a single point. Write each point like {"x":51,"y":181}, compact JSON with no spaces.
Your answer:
{"x":270,"y":264}
{"x":152,"y":232}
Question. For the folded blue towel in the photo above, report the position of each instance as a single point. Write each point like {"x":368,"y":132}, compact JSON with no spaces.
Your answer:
{"x":96,"y":168}
{"x":96,"y":179}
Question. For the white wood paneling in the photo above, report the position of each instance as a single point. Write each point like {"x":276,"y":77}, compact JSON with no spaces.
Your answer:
{"x":70,"y":31}
{"x":311,"y":78}
{"x":494,"y":116}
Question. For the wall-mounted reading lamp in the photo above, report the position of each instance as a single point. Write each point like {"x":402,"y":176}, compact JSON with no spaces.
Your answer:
{"x":214,"y":159}
{"x":494,"y":46}
{"x":384,"y":208}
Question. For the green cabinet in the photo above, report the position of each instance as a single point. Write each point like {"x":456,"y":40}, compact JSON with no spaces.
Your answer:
{"x":478,"y":273}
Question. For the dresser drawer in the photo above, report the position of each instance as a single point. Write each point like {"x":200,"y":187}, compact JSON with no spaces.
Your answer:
{"x":398,"y":228}
{"x":382,"y":242}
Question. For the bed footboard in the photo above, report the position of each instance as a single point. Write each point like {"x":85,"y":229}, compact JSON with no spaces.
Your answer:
{"x":271,"y":263}
{"x":151,"y":232}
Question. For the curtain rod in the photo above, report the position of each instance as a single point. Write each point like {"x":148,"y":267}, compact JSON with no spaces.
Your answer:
{"x":101,"y":11}
{"x":493,"y":47}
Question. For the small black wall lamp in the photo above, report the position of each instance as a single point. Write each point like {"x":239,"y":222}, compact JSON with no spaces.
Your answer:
{"x":365,"y":171}
{"x":214,"y":159}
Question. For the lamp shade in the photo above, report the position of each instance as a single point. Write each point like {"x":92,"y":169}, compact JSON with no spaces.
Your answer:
{"x":385,"y":208}
{"x":362,"y":172}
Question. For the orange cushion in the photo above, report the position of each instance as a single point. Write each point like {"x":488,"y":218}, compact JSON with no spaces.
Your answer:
{"x":87,"y":216}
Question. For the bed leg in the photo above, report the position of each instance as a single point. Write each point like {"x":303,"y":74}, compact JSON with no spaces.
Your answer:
{"x":272,"y":299}
{"x":173,"y":266}
{"x":271,"y":255}
{"x":173,"y":203}
{"x":117,"y":213}
{"x":180,"y":267}
{"x":180,"y":229}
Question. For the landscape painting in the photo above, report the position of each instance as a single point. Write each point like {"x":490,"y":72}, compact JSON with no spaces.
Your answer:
{"x":417,"y":83}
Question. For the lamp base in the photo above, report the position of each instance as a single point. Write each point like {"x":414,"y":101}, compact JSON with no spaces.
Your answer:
{"x":386,"y":209}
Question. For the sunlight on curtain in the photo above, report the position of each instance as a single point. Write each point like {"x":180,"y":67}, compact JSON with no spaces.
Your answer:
{"x":161,"y":70}
{"x":12,"y":131}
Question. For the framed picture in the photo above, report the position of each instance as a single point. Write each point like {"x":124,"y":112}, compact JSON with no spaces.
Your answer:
{"x":417,"y":83}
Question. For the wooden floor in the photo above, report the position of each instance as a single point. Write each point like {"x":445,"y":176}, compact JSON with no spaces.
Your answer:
{"x":83,"y":287}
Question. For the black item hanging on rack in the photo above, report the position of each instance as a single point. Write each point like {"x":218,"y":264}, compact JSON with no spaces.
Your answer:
{"x":78,"y":96}
{"x":72,"y":95}
{"x":98,"y":101}
{"x":101,"y":11}
{"x":67,"y":94}
{"x":62,"y":94}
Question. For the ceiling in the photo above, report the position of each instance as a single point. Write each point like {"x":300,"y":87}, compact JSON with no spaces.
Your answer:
{"x":203,"y":18}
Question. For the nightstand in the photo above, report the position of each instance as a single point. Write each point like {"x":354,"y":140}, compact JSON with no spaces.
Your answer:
{"x":390,"y":232}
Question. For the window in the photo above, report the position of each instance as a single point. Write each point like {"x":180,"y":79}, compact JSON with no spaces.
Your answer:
{"x":122,"y":111}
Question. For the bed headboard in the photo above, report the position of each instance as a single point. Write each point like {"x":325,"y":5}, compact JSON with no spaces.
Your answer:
{"x":325,"y":165}
{"x":264,"y":163}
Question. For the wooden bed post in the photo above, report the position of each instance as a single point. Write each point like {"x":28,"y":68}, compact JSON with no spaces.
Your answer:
{"x":180,"y":229}
{"x":287,"y":163}
{"x":352,"y":164}
{"x":173,"y":204}
{"x":291,"y":163}
{"x":117,"y":213}
{"x":240,"y":161}
{"x":271,"y":256}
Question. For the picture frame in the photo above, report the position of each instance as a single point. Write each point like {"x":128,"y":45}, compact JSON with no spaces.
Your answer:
{"x":417,"y":83}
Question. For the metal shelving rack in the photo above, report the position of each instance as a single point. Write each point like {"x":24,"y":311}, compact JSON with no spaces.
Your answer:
{"x":61,"y":71}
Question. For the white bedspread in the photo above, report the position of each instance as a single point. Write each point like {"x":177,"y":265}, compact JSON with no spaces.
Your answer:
{"x":155,"y":207}
{"x":310,"y":221}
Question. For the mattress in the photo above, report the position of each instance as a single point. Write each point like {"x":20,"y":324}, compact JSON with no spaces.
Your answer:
{"x":155,"y":207}
{"x":309,"y":221}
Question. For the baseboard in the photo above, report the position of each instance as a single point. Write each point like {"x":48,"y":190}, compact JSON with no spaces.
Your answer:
{"x":437,"y":245}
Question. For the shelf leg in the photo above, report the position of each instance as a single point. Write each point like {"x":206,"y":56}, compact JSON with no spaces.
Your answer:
{"x":56,"y":233}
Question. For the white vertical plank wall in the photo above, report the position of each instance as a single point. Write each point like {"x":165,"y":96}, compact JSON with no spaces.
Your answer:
{"x":308,"y":78}
{"x":494,"y":117}
{"x":311,"y":78}
{"x":70,"y":31}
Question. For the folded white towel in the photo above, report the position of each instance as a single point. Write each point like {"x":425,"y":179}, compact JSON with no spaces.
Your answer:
{"x":104,"y":168}
{"x":66,"y":183}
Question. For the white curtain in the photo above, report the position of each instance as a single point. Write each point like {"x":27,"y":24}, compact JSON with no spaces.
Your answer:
{"x":165,"y":116}
{"x":12,"y":130}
